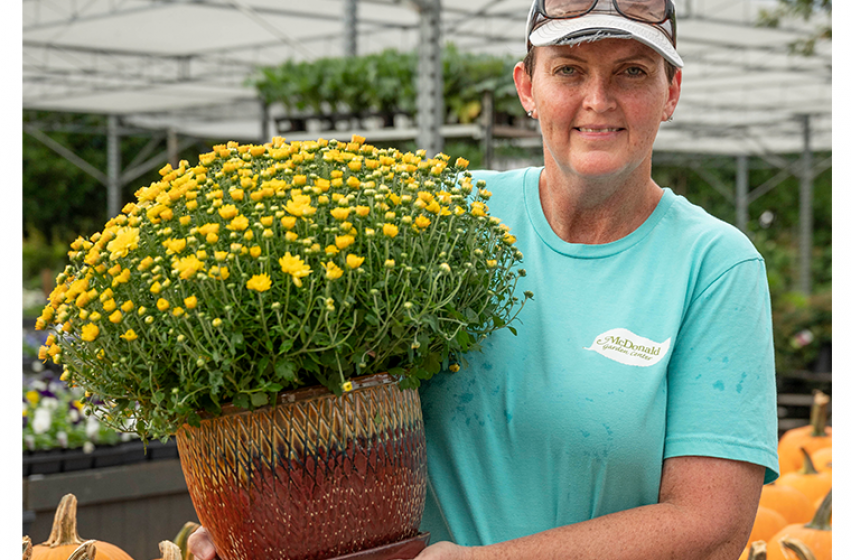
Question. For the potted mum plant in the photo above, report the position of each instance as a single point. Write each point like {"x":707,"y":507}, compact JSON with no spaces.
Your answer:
{"x":275,"y":307}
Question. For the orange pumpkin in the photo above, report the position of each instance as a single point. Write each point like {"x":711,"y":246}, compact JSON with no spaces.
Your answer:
{"x":181,"y":541}
{"x":86,"y":551}
{"x":812,"y":483}
{"x":766,"y":524}
{"x":170,"y":551}
{"x":788,"y":501}
{"x":756,"y":551}
{"x":798,"y":548}
{"x":823,"y":459}
{"x":64,"y":540}
{"x":816,"y":534}
{"x":812,"y":437}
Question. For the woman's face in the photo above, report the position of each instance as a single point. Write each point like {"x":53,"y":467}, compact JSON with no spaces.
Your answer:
{"x":599,"y":104}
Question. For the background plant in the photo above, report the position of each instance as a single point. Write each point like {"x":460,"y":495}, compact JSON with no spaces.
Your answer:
{"x":54,"y":418}
{"x":272,"y":267}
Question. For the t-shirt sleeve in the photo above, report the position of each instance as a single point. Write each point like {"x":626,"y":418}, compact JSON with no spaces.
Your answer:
{"x":722,"y":395}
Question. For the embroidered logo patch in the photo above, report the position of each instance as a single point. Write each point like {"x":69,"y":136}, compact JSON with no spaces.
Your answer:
{"x":626,"y":347}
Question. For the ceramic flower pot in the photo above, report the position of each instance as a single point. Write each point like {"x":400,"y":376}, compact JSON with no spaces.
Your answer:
{"x":314,"y":476}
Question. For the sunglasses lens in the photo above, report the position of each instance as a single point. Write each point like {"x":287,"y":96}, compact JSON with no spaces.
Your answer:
{"x":556,"y":9}
{"x":651,"y":11}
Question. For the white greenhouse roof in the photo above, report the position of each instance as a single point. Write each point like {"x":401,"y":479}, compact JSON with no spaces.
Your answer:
{"x":184,"y":63}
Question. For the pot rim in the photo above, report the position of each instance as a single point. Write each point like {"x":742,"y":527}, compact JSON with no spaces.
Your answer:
{"x":302,"y":394}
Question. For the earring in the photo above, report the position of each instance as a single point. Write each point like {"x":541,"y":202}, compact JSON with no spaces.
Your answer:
{"x":529,"y":113}
{"x":670,"y":119}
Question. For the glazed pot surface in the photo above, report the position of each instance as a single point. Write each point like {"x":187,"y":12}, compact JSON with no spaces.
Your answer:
{"x":314,"y":476}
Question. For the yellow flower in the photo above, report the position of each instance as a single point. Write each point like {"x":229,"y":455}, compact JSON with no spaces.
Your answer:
{"x":162,"y":304}
{"x":341,"y":213}
{"x":291,"y":236}
{"x":362,"y":211}
{"x":42,"y":353}
{"x":390,"y":230}
{"x":347,"y":386}
{"x":343,"y":241}
{"x":33,"y":396}
{"x":115,"y":317}
{"x":255,"y":251}
{"x":491,"y":263}
{"x":156,"y":288}
{"x":240,"y":223}
{"x":259,"y":282}
{"x":127,"y":306}
{"x":145,"y":264}
{"x":454,"y":368}
{"x":209,"y":228}
{"x":422,"y":222}
{"x":217,"y":322}
{"x":191,"y":302}
{"x":267,"y":221}
{"x":188,"y":266}
{"x":228,"y":211}
{"x":462,"y":163}
{"x":130,"y":335}
{"x":220,"y":255}
{"x":177,"y":311}
{"x":109,"y":305}
{"x":126,"y":240}
{"x":90,"y":332}
{"x":288,"y":222}
{"x":508,"y":238}
{"x":174,"y":245}
{"x":332,"y":271}
{"x":331,"y":250}
{"x":477,"y":208}
{"x":299,"y":205}
{"x":353,"y":261}
{"x":295,"y":267}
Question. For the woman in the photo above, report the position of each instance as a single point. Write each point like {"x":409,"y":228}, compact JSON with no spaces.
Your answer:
{"x":633,"y":416}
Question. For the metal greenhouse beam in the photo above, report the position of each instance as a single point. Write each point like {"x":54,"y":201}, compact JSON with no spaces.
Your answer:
{"x":350,"y":28}
{"x":805,"y":241}
{"x":430,"y":78}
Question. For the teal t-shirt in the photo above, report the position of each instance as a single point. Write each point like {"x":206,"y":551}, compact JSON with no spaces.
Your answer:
{"x":656,"y":345}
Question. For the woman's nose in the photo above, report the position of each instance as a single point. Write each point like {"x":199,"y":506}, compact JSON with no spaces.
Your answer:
{"x":598,"y":94}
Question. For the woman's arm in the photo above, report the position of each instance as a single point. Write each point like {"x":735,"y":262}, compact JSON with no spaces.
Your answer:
{"x":705,"y":512}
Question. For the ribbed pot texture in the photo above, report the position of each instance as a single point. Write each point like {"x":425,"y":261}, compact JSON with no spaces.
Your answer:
{"x":314,"y":476}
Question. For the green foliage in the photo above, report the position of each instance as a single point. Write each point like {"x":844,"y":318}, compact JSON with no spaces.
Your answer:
{"x":386,"y":82}
{"x":800,"y":9}
{"x":267,"y":268}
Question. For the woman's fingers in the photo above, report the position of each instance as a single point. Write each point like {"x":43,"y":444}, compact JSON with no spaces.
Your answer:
{"x":201,"y":545}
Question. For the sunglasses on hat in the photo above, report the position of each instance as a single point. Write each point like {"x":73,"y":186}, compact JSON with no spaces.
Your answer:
{"x":644,"y":11}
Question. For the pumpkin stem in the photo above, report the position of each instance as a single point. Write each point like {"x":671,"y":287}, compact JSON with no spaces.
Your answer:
{"x":801,"y":550}
{"x":170,"y":551}
{"x":182,"y":539}
{"x":86,"y":551}
{"x":27,"y":551}
{"x":821,"y":520}
{"x":818,"y":414}
{"x":64,"y":531}
{"x":758,"y":551}
{"x":809,"y":467}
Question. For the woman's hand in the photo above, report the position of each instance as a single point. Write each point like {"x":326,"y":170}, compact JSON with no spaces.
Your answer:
{"x":201,"y":545}
{"x":445,"y":550}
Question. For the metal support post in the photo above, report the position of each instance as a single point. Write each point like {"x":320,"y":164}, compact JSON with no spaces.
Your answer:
{"x":265,"y":128}
{"x":742,"y":185}
{"x":806,"y":217}
{"x":113,"y":167}
{"x":350,"y":28}
{"x":171,"y":147}
{"x":487,"y":137}
{"x":430,"y":81}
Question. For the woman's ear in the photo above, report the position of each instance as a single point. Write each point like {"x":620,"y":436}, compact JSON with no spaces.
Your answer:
{"x":523,"y":83}
{"x":674,"y":90}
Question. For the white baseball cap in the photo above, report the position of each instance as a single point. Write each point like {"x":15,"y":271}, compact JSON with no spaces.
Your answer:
{"x":603,"y":21}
